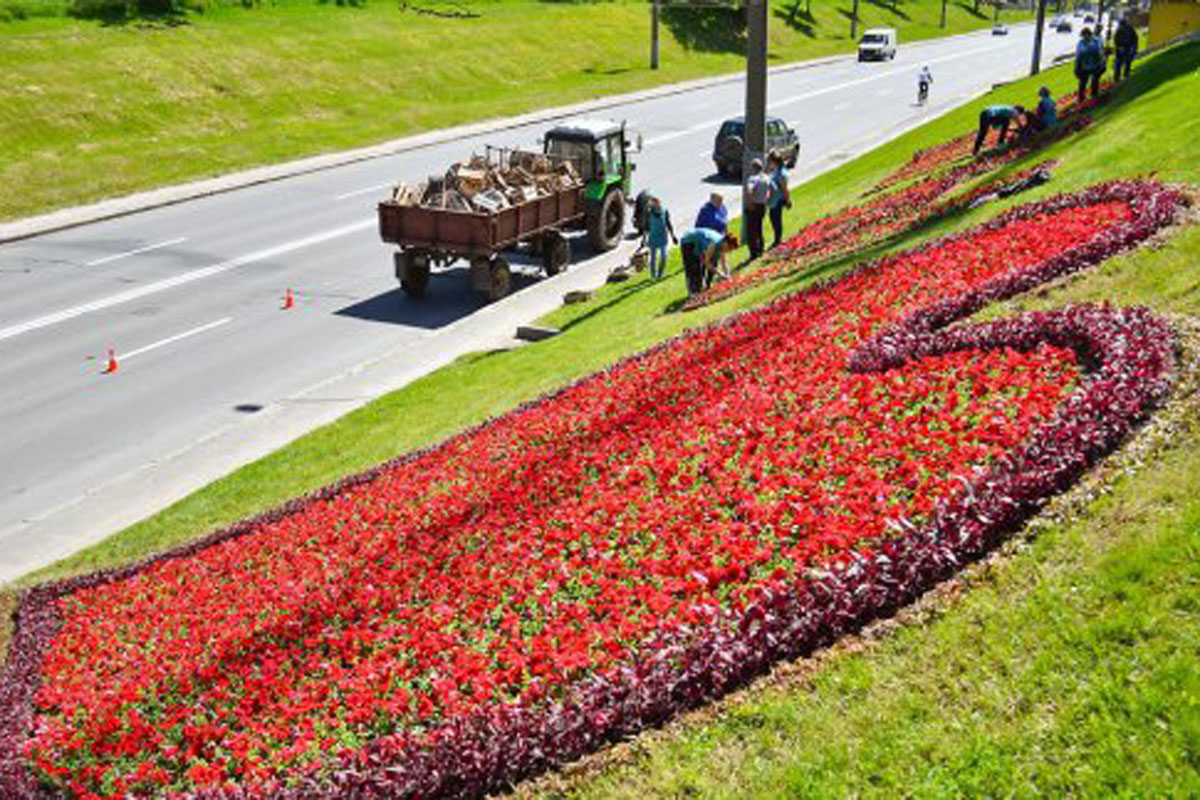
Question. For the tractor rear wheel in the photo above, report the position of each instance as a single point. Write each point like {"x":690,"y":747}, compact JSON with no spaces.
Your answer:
{"x":606,"y":221}
{"x":413,"y":271}
{"x":556,"y":252}
{"x":499,"y":279}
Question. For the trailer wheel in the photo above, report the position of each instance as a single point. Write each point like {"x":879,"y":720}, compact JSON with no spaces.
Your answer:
{"x":556,"y":252}
{"x":413,"y":271}
{"x":499,"y":279}
{"x":606,"y":221}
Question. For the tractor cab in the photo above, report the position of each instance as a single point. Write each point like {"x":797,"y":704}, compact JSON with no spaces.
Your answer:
{"x":600,"y":152}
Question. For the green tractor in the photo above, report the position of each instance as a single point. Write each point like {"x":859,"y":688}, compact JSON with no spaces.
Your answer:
{"x":600,"y":152}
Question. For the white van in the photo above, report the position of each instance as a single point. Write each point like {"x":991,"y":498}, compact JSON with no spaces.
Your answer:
{"x":877,"y":44}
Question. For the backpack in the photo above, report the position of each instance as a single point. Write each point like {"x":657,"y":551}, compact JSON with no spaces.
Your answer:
{"x":1091,"y":56}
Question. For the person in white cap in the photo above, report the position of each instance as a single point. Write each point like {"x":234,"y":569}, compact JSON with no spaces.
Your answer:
{"x":757,"y":193}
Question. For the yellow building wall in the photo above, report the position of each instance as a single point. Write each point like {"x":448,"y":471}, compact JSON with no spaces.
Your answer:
{"x":1171,"y":18}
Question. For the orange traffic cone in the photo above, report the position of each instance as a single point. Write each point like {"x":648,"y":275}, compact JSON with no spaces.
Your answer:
{"x":112,"y":362}
{"x":289,"y":300}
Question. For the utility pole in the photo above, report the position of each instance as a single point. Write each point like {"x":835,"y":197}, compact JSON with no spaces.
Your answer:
{"x":1036,"y":67}
{"x":943,"y":23}
{"x":654,"y":34}
{"x":756,"y":83}
{"x":854,"y":22}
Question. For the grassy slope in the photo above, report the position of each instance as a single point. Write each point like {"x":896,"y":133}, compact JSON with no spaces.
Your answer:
{"x":88,"y":111}
{"x":1073,"y":670}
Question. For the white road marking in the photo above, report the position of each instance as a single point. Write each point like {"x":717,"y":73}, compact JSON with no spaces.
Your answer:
{"x":712,"y":123}
{"x":173,"y":339}
{"x":666,"y":137}
{"x":886,"y":74}
{"x":97,"y":262}
{"x":367,"y":190}
{"x":180,"y":280}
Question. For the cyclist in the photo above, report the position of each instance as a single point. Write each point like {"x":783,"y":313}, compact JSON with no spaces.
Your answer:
{"x":924,"y":78}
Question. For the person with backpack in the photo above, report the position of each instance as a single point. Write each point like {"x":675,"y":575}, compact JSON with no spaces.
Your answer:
{"x":1089,"y":63}
{"x":756,"y":194}
{"x":658,"y":228}
{"x":1126,"y":41}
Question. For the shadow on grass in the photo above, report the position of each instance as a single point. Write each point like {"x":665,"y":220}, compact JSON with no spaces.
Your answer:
{"x":892,"y":8}
{"x":972,"y":10}
{"x":136,"y":13}
{"x":798,"y":18}
{"x":606,"y":71}
{"x":707,"y":29}
{"x":1178,"y":62}
{"x":625,"y":292}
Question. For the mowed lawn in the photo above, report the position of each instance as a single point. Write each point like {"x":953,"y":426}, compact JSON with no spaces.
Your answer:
{"x":1068,"y":667}
{"x":89,"y":110}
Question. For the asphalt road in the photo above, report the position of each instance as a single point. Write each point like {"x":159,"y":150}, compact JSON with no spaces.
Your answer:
{"x":213,"y":373}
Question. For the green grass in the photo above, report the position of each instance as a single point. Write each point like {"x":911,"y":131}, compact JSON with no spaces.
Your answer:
{"x":1071,"y":672}
{"x":90,"y":110}
{"x":1071,"y":669}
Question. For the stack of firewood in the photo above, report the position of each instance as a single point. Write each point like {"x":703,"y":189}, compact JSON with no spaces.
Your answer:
{"x":483,"y":184}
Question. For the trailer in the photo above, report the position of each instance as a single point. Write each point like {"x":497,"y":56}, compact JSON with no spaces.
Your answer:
{"x":437,"y":237}
{"x":437,"y":234}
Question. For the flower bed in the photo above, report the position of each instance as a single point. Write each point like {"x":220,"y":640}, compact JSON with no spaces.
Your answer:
{"x":595,"y":561}
{"x":926,"y":161}
{"x":852,"y":229}
{"x":942,"y":167}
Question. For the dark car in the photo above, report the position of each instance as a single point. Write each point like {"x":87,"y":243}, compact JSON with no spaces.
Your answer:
{"x":731,"y":142}
{"x":1064,"y":26}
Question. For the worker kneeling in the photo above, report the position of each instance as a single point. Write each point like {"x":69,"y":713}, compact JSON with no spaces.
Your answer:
{"x":1000,"y":117}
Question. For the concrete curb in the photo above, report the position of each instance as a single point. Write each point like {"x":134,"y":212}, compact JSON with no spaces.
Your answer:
{"x":179,"y":193}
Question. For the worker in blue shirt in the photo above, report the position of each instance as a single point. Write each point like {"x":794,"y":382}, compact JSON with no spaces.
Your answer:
{"x":703,"y":251}
{"x":713,"y":214}
{"x":1046,"y":114}
{"x":780,"y":196}
{"x":1089,"y":63}
{"x":999,"y":117}
{"x":658,"y":229}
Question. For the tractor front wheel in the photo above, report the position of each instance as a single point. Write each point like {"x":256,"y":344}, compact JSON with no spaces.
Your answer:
{"x":641,"y":211}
